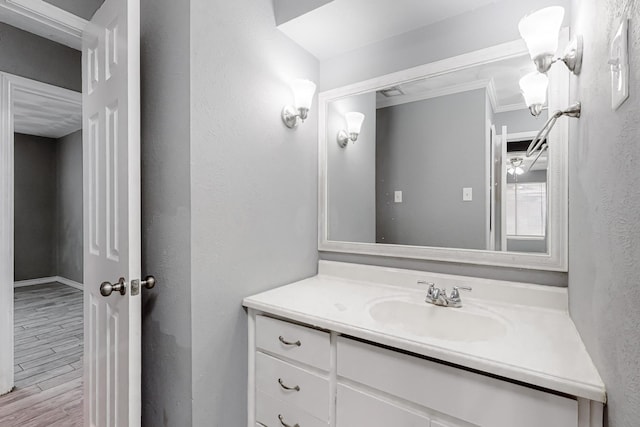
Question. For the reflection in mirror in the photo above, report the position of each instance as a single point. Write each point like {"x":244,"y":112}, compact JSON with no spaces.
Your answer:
{"x":440,"y":162}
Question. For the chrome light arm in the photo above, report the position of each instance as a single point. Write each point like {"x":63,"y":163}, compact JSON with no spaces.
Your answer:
{"x":538,"y":143}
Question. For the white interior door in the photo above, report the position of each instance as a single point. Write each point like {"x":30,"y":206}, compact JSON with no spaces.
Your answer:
{"x":111,"y":151}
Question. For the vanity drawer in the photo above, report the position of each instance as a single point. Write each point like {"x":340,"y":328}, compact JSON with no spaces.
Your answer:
{"x":313,"y":394}
{"x":299,"y":343}
{"x":269,"y":410}
{"x":357,"y":408}
{"x":468,"y":396}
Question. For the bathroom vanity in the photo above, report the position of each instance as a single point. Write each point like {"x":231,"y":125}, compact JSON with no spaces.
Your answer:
{"x":358,"y":346}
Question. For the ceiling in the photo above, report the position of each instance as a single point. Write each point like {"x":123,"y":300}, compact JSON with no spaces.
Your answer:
{"x":344,"y":25}
{"x":42,"y":116}
{"x":501,"y":79}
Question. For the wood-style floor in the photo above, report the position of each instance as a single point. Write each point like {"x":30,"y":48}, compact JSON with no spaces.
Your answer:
{"x":48,"y":359}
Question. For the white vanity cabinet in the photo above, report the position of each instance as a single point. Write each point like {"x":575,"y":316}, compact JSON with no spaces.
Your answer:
{"x":306,"y":377}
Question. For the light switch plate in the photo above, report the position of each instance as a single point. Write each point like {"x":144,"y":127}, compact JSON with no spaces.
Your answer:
{"x":467,"y":194}
{"x":397,"y":196}
{"x":619,"y":62}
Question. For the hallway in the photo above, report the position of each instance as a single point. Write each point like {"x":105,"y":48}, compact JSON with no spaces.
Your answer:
{"x":48,"y":358}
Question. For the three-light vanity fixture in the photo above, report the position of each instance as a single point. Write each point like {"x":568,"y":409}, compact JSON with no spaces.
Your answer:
{"x":303,"y":91}
{"x":354,"y":126}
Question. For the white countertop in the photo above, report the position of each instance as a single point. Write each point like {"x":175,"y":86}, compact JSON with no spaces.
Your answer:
{"x":538,"y":345}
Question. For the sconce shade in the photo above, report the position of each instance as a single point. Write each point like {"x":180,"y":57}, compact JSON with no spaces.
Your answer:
{"x":354,"y":122}
{"x":534,"y":88}
{"x":303,"y":91}
{"x":541,"y":29}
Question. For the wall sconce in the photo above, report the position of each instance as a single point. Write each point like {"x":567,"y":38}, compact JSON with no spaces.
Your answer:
{"x":354,"y":125}
{"x":540,"y":31}
{"x":303,"y":91}
{"x":534,"y":89}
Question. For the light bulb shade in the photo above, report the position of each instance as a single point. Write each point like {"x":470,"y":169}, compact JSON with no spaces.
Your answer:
{"x":303,"y":91}
{"x":354,"y":122}
{"x":534,"y":88}
{"x":541,"y":29}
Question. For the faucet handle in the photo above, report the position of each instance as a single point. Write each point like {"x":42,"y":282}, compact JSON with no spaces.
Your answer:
{"x":455,"y":295}
{"x":431,"y":288}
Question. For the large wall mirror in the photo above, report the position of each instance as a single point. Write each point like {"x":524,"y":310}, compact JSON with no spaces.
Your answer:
{"x":439,"y":168}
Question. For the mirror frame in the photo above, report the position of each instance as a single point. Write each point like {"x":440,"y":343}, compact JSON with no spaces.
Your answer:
{"x":557,"y":191}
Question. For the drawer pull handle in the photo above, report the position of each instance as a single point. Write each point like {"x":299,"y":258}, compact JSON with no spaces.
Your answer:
{"x":285,"y":342}
{"x":281,"y":418}
{"x":296,"y":388}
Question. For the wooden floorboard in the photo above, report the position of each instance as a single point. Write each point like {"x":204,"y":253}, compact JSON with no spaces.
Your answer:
{"x":48,"y":358}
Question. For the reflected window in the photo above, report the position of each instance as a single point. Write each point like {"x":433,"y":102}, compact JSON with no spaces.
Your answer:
{"x":526,"y":209}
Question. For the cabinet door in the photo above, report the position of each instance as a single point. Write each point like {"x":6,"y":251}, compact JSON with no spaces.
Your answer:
{"x":357,"y":408}
{"x":463,"y":395}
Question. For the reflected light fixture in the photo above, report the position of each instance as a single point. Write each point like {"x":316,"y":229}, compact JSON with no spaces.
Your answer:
{"x":540,"y":31}
{"x":303,"y":91}
{"x":534,"y":89}
{"x":515,"y":166}
{"x":354,"y":125}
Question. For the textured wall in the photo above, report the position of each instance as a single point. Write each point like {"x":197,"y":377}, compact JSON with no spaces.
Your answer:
{"x":35,"y":207}
{"x":166,"y":210}
{"x":27,"y":55}
{"x":352,"y":178}
{"x":253,"y":189}
{"x":69,"y":257}
{"x":422,"y":150}
{"x":604,"y":236}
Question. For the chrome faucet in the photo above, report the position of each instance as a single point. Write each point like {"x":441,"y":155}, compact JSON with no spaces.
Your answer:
{"x":437,"y":296}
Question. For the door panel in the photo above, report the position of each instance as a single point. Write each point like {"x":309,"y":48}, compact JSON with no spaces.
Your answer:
{"x":111,"y":150}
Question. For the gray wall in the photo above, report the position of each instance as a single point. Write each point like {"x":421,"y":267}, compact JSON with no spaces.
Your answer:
{"x":486,"y":26}
{"x":286,"y":10}
{"x":69,"y":257}
{"x":82,"y":8}
{"x":352,"y":172}
{"x":604,"y":237}
{"x":423,"y":151}
{"x":27,"y":55}
{"x":48,"y":207}
{"x":166,"y":213}
{"x":253,"y":189}
{"x":35,"y":207}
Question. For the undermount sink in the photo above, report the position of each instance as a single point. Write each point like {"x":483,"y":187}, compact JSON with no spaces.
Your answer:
{"x":469,"y":323}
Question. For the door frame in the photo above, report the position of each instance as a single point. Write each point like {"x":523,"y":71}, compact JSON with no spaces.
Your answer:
{"x":9,"y":85}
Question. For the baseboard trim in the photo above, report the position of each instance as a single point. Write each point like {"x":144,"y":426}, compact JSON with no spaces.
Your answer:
{"x":69,"y":282}
{"x":33,"y":282}
{"x":43,"y":280}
